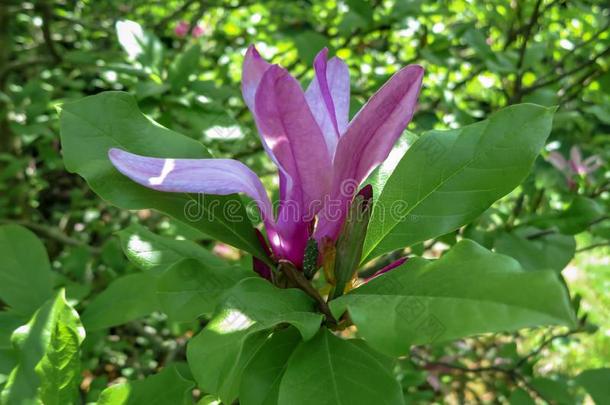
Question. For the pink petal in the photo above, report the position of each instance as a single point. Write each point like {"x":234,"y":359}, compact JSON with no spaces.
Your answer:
{"x":181,"y":29}
{"x":297,"y":144}
{"x":592,"y":163}
{"x":375,"y":129}
{"x":368,"y":140}
{"x":210,"y":176}
{"x":253,"y":69}
{"x":291,"y":132}
{"x":328,"y":97}
{"x":198,"y":31}
{"x":389,"y":267}
{"x":575,"y":156}
{"x":558,"y":161}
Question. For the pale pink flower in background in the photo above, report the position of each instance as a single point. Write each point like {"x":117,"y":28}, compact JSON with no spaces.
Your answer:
{"x":198,"y":31}
{"x":181,"y":29}
{"x":225,"y":251}
{"x":575,"y":166}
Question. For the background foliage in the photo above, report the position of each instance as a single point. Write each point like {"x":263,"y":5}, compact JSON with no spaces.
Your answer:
{"x":479,"y":56}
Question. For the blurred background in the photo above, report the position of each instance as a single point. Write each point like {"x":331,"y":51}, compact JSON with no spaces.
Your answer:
{"x":182,"y":60}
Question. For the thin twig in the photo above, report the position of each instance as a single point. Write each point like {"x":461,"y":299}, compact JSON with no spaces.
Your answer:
{"x":51,"y":233}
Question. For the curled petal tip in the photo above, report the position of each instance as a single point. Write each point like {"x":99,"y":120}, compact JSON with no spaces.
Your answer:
{"x":322,"y":54}
{"x":366,"y":192}
{"x":116,"y":155}
{"x":253,"y":51}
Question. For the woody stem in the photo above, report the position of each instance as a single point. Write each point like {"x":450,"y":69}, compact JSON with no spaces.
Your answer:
{"x":300,"y":281}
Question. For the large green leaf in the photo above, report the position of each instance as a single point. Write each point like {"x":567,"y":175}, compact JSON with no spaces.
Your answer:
{"x":192,"y":288}
{"x":169,"y":387}
{"x":552,"y":251}
{"x":9,"y":321}
{"x":219,"y":353}
{"x":25,"y":272}
{"x":93,"y":125}
{"x":597,"y":383}
{"x":266,"y":305}
{"x":467,"y":291}
{"x":260,"y":381}
{"x":379,"y":177}
{"x":48,"y":368}
{"x":125,"y":299}
{"x":330,"y":370}
{"x":577,"y":218}
{"x":150,"y":251}
{"x":448,"y":178}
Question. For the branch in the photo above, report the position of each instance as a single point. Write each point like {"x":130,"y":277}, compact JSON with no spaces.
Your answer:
{"x":563,"y":59}
{"x":593,"y":246}
{"x":551,"y":231}
{"x":47,"y":16}
{"x":173,"y":16}
{"x":52,"y":233}
{"x":557,"y":78}
{"x":526,"y":36}
{"x":299,"y":280}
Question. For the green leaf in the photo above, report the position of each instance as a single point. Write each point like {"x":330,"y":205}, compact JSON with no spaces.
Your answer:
{"x":379,"y":177}
{"x":596,"y":382}
{"x":93,"y":125}
{"x":169,"y":387}
{"x":150,"y":251}
{"x":183,"y":66}
{"x":260,"y":381}
{"x":25,"y":272}
{"x":125,"y":299}
{"x":9,"y":321}
{"x":448,"y":178}
{"x":48,"y":368}
{"x":192,"y":288}
{"x":552,"y":251}
{"x":468,"y":291}
{"x":140,"y":45}
{"x":219,"y":353}
{"x":330,"y":370}
{"x":553,"y":391}
{"x":59,"y":370}
{"x":308,"y":44}
{"x":263,"y":303}
{"x":579,"y":215}
{"x":520,"y":397}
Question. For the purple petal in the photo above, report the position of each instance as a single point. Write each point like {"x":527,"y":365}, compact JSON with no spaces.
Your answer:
{"x":375,"y":129}
{"x":210,"y":176}
{"x":368,"y":141}
{"x":253,"y":69}
{"x":328,"y":97}
{"x":389,"y":267}
{"x":575,"y":156}
{"x":558,"y":161}
{"x":592,"y":163}
{"x":287,"y":124}
{"x":261,"y":268}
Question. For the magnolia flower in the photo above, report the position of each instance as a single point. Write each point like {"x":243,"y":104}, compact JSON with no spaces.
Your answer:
{"x":321,"y":156}
{"x":198,"y":31}
{"x":575,"y":166}
{"x":182,"y":28}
